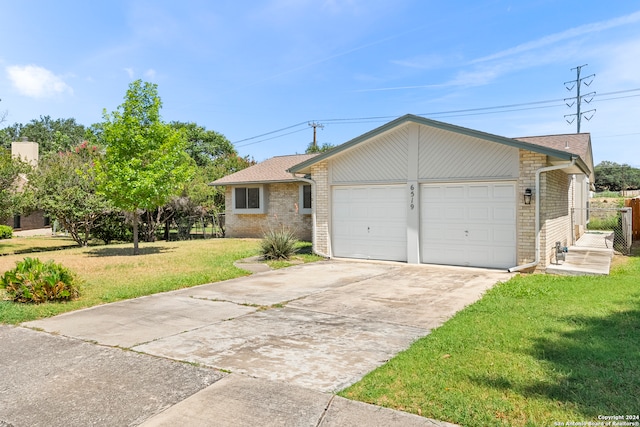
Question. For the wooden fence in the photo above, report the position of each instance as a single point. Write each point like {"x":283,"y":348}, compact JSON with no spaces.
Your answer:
{"x":634,"y":204}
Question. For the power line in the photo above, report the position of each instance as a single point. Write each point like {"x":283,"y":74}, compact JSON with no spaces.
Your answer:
{"x":441,"y":114}
{"x":268,"y":139}
{"x":577,"y":100}
{"x":269,"y":133}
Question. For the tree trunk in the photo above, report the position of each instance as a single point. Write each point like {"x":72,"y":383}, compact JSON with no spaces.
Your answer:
{"x":136,"y":250}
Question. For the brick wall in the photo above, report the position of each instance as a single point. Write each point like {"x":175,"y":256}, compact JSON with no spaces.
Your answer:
{"x":281,"y":209}
{"x":555,"y":214}
{"x":530,"y":162}
{"x":320,"y":174}
{"x":33,"y":221}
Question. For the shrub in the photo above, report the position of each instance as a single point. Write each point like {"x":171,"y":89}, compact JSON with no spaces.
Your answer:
{"x":113,"y":226}
{"x":6,"y":232}
{"x":278,"y":244}
{"x":35,"y":281}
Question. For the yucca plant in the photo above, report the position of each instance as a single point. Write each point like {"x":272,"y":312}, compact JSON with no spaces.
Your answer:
{"x":278,"y":243}
{"x":35,"y":281}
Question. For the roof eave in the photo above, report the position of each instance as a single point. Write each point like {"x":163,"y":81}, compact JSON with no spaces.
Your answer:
{"x":257,"y":182}
{"x":303,"y":166}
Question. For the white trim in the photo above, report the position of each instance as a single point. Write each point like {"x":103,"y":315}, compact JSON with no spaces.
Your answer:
{"x":248,"y":211}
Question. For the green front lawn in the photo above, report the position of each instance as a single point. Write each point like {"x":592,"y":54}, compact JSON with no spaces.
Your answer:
{"x":535,"y":351}
{"x":111,"y":273}
{"x":23,"y":245}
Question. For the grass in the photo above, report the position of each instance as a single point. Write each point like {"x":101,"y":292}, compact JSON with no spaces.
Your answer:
{"x":19,"y":245}
{"x":534,"y":351}
{"x":111,"y":273}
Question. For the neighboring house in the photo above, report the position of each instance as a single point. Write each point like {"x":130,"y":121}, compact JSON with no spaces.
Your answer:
{"x":422,"y":191}
{"x":28,"y":152}
{"x":265,"y":196}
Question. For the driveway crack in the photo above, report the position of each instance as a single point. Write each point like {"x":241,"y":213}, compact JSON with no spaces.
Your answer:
{"x":326,"y":410}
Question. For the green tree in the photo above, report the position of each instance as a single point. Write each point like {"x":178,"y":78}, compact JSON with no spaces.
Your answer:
{"x":209,"y":197}
{"x":65,"y":188}
{"x":10,"y":194}
{"x":53,"y":136}
{"x":315,"y":148}
{"x":204,"y":146}
{"x":145,"y":161}
{"x":611,"y":176}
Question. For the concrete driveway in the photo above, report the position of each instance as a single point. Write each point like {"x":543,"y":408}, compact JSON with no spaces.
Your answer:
{"x":316,"y":328}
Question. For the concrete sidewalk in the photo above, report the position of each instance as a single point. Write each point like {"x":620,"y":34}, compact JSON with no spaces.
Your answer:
{"x":267,"y":349}
{"x":590,"y":256}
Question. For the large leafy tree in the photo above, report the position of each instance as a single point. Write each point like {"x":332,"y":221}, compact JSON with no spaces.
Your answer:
{"x":204,"y":146}
{"x":64,"y":186}
{"x":53,"y":135}
{"x":612,"y":176}
{"x":145,"y":161}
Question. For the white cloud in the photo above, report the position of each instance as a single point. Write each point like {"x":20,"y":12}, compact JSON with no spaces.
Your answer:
{"x":150,"y":74}
{"x":36,"y":82}
{"x":563,"y":35}
{"x":130,"y":72}
{"x":424,"y":62}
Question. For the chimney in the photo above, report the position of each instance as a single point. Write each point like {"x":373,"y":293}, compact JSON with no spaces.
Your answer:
{"x":26,"y":150}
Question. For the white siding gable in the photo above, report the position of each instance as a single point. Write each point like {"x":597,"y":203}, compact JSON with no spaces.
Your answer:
{"x":447,"y":155}
{"x":382,"y":159}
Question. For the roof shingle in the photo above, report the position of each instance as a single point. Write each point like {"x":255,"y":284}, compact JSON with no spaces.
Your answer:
{"x":270,"y":170}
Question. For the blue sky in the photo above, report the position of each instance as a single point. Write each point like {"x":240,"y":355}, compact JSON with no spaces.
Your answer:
{"x":249,"y":68}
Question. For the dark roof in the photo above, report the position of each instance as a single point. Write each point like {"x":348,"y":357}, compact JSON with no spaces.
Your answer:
{"x":270,"y":170}
{"x":575,"y":143}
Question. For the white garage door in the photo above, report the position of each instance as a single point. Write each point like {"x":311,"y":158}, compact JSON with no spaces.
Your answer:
{"x":370,"y":222}
{"x":471,"y":224}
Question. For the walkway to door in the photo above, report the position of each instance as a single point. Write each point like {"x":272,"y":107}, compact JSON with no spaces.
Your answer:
{"x":591,"y":255}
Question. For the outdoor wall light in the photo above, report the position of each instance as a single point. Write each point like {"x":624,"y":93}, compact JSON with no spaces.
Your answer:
{"x":527,"y":196}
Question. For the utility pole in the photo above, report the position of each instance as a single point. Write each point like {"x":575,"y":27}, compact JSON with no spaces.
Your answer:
{"x":577,"y":100}
{"x":315,"y":125}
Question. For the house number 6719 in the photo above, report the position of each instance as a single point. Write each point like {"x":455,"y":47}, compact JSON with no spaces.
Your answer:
{"x":412,"y":205}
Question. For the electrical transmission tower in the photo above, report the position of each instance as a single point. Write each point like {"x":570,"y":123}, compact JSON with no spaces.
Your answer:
{"x":577,"y":100}
{"x":315,"y":125}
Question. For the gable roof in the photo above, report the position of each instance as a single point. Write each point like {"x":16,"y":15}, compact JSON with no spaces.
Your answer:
{"x":271,"y":170}
{"x":576,"y":143}
{"x":554,"y":153}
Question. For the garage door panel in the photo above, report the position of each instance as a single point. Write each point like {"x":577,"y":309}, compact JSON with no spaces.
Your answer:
{"x":506,"y":214}
{"x":433,"y":233}
{"x":479,"y":213}
{"x":478,"y":191}
{"x":452,"y":192}
{"x":369,"y":222}
{"x":478,"y":227}
{"x":504,"y":191}
{"x":478,"y":235}
{"x":504,"y":235}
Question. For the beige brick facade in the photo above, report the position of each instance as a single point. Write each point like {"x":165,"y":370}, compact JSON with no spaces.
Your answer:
{"x":530,"y":162}
{"x":321,"y":198}
{"x":555,"y":211}
{"x":281,"y":209}
{"x":555,"y":214}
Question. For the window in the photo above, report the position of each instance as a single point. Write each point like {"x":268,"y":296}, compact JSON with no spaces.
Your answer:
{"x":248,"y":200}
{"x":305,"y":199}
